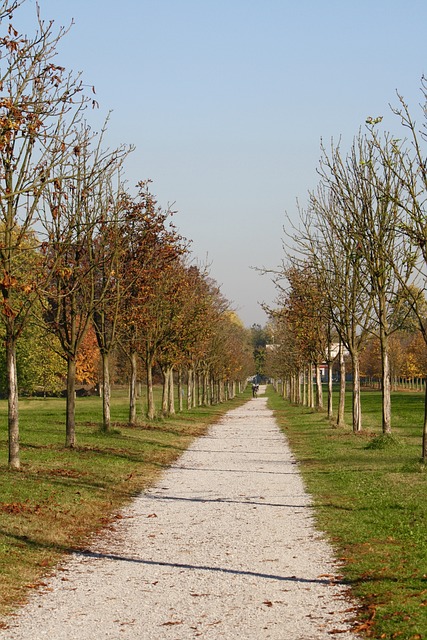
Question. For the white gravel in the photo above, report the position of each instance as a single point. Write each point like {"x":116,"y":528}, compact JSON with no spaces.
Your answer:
{"x":222,"y":547}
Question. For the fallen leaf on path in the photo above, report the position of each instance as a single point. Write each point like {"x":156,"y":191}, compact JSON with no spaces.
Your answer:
{"x":171,"y":623}
{"x":152,"y":515}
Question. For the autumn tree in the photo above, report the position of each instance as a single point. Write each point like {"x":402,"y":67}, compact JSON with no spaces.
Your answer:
{"x":109,"y":284}
{"x":307,"y":316}
{"x":39,"y":106}
{"x":151,"y":243}
{"x":75,"y":210}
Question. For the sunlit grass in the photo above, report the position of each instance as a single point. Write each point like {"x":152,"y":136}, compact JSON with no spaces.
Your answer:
{"x":372,"y":503}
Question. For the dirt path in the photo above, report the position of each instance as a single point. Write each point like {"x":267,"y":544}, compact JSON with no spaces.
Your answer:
{"x":222,"y":547}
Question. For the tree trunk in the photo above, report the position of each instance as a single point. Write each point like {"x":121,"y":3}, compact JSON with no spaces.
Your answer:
{"x":341,"y":402}
{"x":70,"y":424}
{"x":132,"y":389}
{"x":106,"y":392}
{"x":190,"y":383}
{"x":304,"y":387}
{"x":205,"y":392}
{"x":221,"y":391}
{"x":151,"y":411}
{"x":330,"y":405}
{"x":357,"y":412}
{"x":180,"y":391}
{"x":171,"y":393}
{"x":194,"y":389}
{"x":310,"y":386}
{"x":319,"y":390}
{"x":385,"y":385}
{"x":13,"y":415}
{"x":165,"y":390}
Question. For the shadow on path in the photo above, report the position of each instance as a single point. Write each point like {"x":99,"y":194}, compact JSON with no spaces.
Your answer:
{"x":248,"y":502}
{"x":177,"y":565}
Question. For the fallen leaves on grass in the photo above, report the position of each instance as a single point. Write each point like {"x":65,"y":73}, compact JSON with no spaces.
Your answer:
{"x":17,"y":508}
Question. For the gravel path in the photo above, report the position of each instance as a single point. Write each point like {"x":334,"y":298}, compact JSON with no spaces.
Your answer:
{"x":222,"y":547}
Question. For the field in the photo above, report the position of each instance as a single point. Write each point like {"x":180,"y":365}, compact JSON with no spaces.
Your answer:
{"x":370,"y":496}
{"x":62,"y":496}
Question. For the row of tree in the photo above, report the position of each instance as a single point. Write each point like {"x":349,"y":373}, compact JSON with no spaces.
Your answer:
{"x":78,"y":252}
{"x":355,"y":271}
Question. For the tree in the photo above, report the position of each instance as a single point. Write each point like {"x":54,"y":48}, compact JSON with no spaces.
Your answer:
{"x":39,"y":107}
{"x":334,"y":250}
{"x":409,"y":168}
{"x":76,"y":206}
{"x":109,"y":283}
{"x":151,"y":243}
{"x":260,"y":338}
{"x":368,"y":191}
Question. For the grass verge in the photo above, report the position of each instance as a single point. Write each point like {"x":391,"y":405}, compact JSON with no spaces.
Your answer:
{"x":61,"y":496}
{"x":370,"y":496}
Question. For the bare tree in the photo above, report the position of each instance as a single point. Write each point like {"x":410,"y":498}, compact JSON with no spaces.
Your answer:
{"x":367,"y":193}
{"x":341,"y":276}
{"x":409,"y":167}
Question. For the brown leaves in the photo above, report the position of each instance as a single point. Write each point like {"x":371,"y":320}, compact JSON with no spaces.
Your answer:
{"x":19,"y":508}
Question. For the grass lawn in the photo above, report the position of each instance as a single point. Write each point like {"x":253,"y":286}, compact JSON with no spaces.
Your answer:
{"x":61,"y":496}
{"x":371,"y":500}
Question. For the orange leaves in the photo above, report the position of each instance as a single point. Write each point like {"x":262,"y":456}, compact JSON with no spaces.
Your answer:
{"x":8,"y":281}
{"x":87,"y":361}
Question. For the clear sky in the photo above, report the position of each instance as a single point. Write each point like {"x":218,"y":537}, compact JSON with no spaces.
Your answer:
{"x":226,"y":102}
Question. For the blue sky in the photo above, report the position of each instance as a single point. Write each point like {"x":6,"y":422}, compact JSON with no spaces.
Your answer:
{"x":226,"y":102}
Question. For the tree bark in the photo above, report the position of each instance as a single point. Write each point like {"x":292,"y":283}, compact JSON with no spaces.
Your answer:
{"x":165,"y":390}
{"x":13,"y":415}
{"x":385,"y":384}
{"x":190,"y":384}
{"x":319,"y":389}
{"x":330,"y":389}
{"x":132,"y":389}
{"x":341,"y":402}
{"x":171,"y":393}
{"x":310,"y":386}
{"x":357,"y":411}
{"x":180,"y":391}
{"x":151,"y":410}
{"x":106,"y":392}
{"x":70,"y":425}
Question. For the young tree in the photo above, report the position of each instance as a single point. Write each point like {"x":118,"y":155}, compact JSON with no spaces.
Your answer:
{"x":368,"y":191}
{"x":410,"y":169}
{"x":109,"y":284}
{"x":39,"y":106}
{"x":151,"y":244}
{"x":75,"y":210}
{"x":341,"y":276}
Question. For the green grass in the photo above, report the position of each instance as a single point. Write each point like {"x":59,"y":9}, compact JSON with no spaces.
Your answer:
{"x":61,"y":496}
{"x":370,"y":496}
